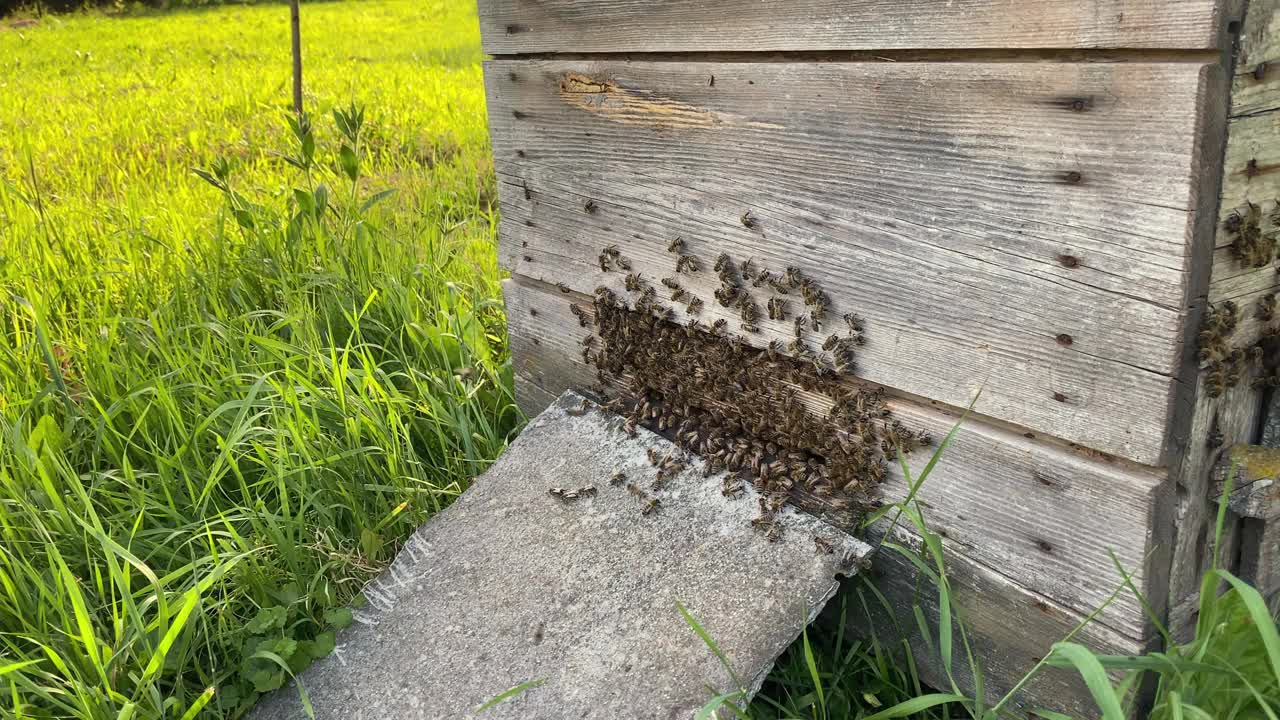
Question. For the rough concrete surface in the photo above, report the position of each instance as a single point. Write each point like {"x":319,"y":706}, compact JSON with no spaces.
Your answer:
{"x":511,"y":585}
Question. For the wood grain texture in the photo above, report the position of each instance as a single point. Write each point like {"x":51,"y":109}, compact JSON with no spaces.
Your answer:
{"x":975,"y":214}
{"x":1257,"y":78}
{"x":1252,"y":143}
{"x":545,"y":26}
{"x":1043,"y":516}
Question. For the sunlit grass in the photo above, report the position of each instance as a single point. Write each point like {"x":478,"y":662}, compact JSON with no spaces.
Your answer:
{"x":222,"y":408}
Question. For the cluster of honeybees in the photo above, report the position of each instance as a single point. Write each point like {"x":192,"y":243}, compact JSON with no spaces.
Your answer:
{"x":1225,"y":364}
{"x":1252,"y":246}
{"x":743,"y":409}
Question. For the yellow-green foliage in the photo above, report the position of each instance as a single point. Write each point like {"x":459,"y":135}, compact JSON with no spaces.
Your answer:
{"x":221,"y":409}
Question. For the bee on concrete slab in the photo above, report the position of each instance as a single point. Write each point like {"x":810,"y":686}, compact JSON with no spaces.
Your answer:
{"x":618,"y":478}
{"x":581,"y":409}
{"x":588,"y":491}
{"x":654,"y":457}
{"x":823,"y":545}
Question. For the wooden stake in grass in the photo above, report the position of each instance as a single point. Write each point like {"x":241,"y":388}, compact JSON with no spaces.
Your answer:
{"x":295,"y":25}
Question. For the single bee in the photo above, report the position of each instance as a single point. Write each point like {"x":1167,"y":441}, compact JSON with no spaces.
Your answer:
{"x":676,"y":246}
{"x":563,"y":288}
{"x":590,"y":206}
{"x":762,"y":277}
{"x":623,"y":263}
{"x":831,"y":343}
{"x":679,"y":295}
{"x":748,"y":269}
{"x":723,"y":262}
{"x":800,"y":322}
{"x":686,"y":264}
{"x":695,"y":306}
{"x":581,"y":410}
{"x":793,"y":277}
{"x":854,"y":322}
{"x":618,"y":478}
{"x":748,"y":327}
{"x":634,"y":283}
{"x":588,"y":491}
{"x":749,"y":220}
{"x":815,"y":320}
{"x":604,"y":263}
{"x":612,"y":251}
{"x":717,"y":328}
{"x":670,"y":283}
{"x":777,"y":309}
{"x":654,"y":458}
{"x":774,"y":533}
{"x":774,"y":350}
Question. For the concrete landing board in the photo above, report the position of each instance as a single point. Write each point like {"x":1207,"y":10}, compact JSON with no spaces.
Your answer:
{"x":511,"y":585}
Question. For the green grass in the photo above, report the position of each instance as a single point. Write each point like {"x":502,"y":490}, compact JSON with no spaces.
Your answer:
{"x":221,"y":410}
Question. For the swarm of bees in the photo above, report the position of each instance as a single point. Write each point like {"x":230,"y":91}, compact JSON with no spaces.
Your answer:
{"x":1250,"y":245}
{"x":1225,"y":365}
{"x":740,"y":408}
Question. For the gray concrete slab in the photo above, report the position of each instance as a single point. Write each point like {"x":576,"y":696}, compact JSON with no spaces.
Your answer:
{"x":511,"y":585}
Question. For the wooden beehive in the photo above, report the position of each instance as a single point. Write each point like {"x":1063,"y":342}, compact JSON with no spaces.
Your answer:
{"x":1031,"y":198}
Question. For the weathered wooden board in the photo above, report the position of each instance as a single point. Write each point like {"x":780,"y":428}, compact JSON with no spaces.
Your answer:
{"x":1043,"y":514}
{"x":528,"y":26}
{"x":1250,"y":173}
{"x":1023,"y":227}
{"x":1257,"y":77}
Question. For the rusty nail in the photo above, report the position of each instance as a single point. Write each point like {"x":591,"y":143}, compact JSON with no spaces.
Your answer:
{"x":1059,"y":397}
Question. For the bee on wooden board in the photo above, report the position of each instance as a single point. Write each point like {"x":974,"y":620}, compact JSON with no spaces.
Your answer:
{"x":777,"y":309}
{"x":563,"y":288}
{"x":749,"y":220}
{"x":695,"y":306}
{"x":676,"y":247}
{"x":687,"y":264}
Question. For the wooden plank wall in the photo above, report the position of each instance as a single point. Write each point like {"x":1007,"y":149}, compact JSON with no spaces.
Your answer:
{"x":1250,"y":174}
{"x":1016,"y":196}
